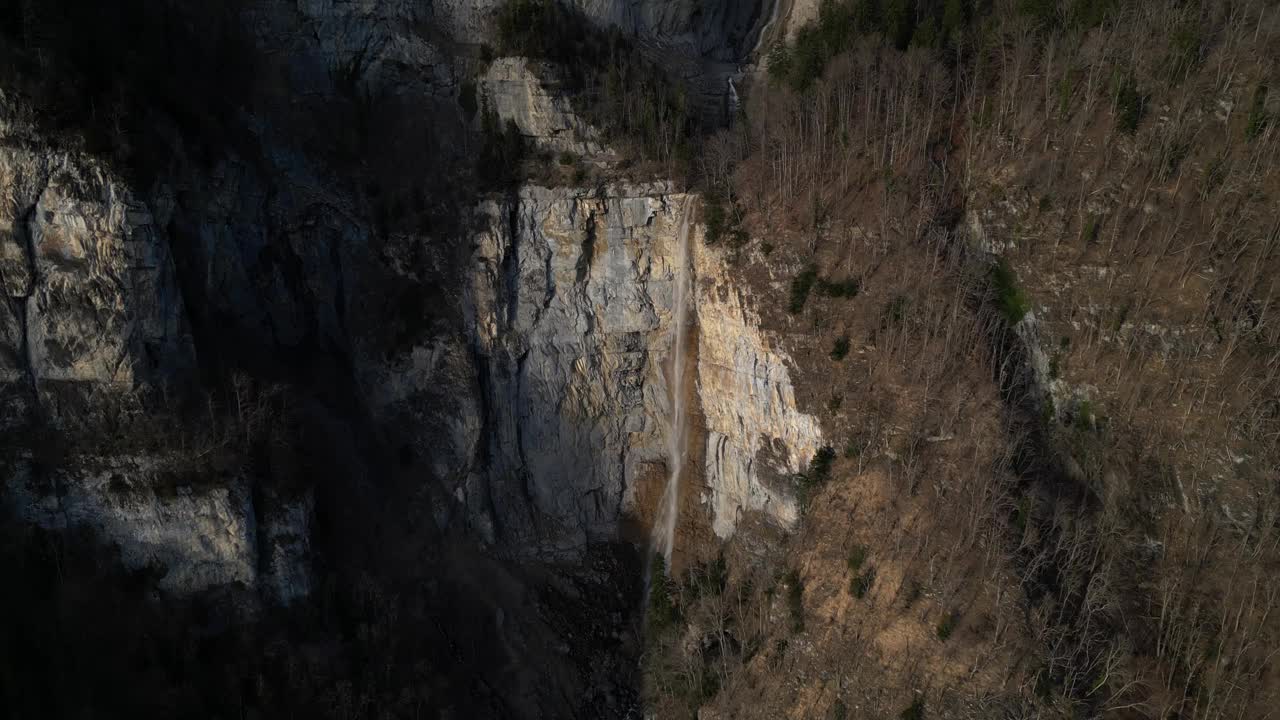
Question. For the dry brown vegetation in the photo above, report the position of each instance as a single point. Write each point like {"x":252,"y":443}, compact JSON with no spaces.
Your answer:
{"x":1079,"y":456}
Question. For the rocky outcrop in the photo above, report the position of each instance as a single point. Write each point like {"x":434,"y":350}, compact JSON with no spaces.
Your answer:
{"x":527,"y":92}
{"x":192,"y":527}
{"x":571,"y":320}
{"x":92,"y":300}
{"x":534,"y":424}
{"x":195,"y":538}
{"x":724,"y":30}
{"x":757,"y":439}
{"x":570,"y":314}
{"x":92,"y":328}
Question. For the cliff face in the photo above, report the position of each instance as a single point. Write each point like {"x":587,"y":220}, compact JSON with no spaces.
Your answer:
{"x":269,"y":339}
{"x":572,"y":297}
{"x":573,"y":332}
{"x":757,"y":438}
{"x":96,"y":330}
{"x":721,"y":31}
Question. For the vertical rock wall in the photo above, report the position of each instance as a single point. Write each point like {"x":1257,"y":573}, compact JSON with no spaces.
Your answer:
{"x":571,"y":320}
{"x":570,"y":309}
{"x":757,"y":439}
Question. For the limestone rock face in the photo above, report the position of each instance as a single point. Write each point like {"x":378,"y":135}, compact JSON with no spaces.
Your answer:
{"x":571,"y":303}
{"x":756,"y":437}
{"x":92,"y":301}
{"x":92,"y":321}
{"x":195,"y":535}
{"x":197,"y":538}
{"x":723,"y":30}
{"x":527,"y":92}
{"x":534,"y":417}
{"x":571,"y":322}
{"x":373,"y":44}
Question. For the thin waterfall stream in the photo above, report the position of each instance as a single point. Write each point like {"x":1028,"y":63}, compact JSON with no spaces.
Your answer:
{"x":664,"y":529}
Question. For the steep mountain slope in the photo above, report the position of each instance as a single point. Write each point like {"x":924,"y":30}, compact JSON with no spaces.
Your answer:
{"x":267,"y":380}
{"x":336,"y":359}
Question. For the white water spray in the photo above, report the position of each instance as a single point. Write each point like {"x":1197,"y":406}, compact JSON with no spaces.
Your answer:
{"x":664,"y":530}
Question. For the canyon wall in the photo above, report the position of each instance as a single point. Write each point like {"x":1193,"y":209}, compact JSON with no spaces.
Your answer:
{"x":527,"y":395}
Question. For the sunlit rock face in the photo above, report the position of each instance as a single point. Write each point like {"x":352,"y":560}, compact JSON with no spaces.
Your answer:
{"x":536,"y":419}
{"x":92,"y":299}
{"x":757,"y":439}
{"x":571,"y":320}
{"x":527,"y":93}
{"x":570,"y":313}
{"x":92,"y":326}
{"x":193,"y":536}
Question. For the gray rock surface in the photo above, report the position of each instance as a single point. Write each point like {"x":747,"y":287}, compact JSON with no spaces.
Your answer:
{"x":570,"y":313}
{"x":534,"y":415}
{"x":527,"y":92}
{"x":92,"y":301}
{"x":722,"y":30}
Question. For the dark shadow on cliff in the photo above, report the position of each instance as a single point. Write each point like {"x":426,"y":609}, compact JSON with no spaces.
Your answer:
{"x":313,"y":234}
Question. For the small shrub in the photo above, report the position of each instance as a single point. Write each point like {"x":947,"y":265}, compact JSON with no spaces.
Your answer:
{"x":820,"y":465}
{"x":801,"y":286}
{"x":567,"y":158}
{"x":1131,"y":106}
{"x":1185,"y":50}
{"x":914,"y":593}
{"x":840,"y":349}
{"x":779,"y":652}
{"x":713,"y":217}
{"x":1084,"y":419}
{"x":795,"y":600}
{"x":1010,"y":299}
{"x":1259,"y":119}
{"x":1066,"y":91}
{"x":915,"y":711}
{"x":709,"y":578}
{"x":839,"y":711}
{"x":708,"y":685}
{"x":1047,"y":412}
{"x":818,"y":473}
{"x":839,"y":288}
{"x":862,"y":584}
{"x":663,"y":612}
{"x":895,"y":312}
{"x":1021,"y":514}
{"x":857,"y":556}
{"x":947,"y":627}
{"x":835,"y":401}
{"x":722,"y":222}
{"x":1089,"y":234}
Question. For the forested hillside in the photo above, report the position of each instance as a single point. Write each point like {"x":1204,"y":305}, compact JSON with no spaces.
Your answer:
{"x":1029,"y":255}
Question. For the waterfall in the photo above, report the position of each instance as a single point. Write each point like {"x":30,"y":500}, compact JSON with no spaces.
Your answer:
{"x":664,"y":529}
